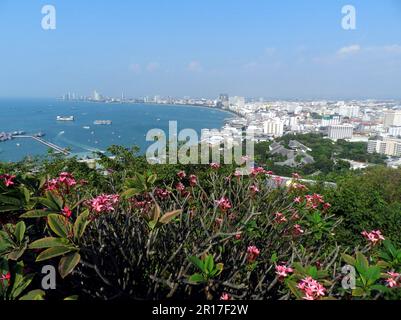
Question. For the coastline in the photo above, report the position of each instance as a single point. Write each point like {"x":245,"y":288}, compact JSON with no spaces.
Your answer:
{"x":236,"y":114}
{"x":82,"y":142}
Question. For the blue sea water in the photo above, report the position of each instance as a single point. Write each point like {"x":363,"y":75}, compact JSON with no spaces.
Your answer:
{"x":131,"y":122}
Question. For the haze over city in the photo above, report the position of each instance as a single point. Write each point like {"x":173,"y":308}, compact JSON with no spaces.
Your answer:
{"x":286,"y":49}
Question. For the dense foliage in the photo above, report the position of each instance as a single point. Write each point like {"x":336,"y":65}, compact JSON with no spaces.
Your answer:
{"x":329,"y":156}
{"x":132,"y":230}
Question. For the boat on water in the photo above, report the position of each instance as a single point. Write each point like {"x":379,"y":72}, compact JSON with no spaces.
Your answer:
{"x":39,"y":135}
{"x":18,"y":133}
{"x":103,"y":122}
{"x":86,"y":127}
{"x":65,"y":118}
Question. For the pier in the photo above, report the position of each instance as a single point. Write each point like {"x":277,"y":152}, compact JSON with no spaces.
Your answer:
{"x":46,"y":143}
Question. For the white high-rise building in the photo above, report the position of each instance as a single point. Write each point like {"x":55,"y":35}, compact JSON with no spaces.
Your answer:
{"x":239,"y":102}
{"x":348,"y":111}
{"x":392,"y":118}
{"x":96,"y":96}
{"x":274,"y":127}
{"x":294,"y":108}
{"x":387,"y":146}
{"x":337,"y":132}
{"x":330,"y":120}
{"x":394,"y":131}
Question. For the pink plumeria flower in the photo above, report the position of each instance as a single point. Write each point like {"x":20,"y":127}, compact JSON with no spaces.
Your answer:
{"x":374,"y":237}
{"x":245,"y":159}
{"x":283,"y":271}
{"x":326,"y":206}
{"x":104,"y":203}
{"x":162,"y":193}
{"x":296,"y":176}
{"x":298,"y":230}
{"x":254,"y":189}
{"x":312,"y":289}
{"x":253,"y":252}
{"x":193,"y":180}
{"x":392,"y":280}
{"x":215,"y":166}
{"x":5,"y":277}
{"x":8,"y":179}
{"x":278,"y":180}
{"x":257,"y":171}
{"x":66,"y":212}
{"x":225,"y":296}
{"x":297,"y":200}
{"x":280,"y":218}
{"x":224,"y":204}
{"x":237,"y":174}
{"x":181,"y":175}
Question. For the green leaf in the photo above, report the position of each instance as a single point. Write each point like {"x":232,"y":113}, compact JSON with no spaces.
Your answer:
{"x":42,"y":182}
{"x":362,"y":263}
{"x":383,"y":265}
{"x":5,"y":242}
{"x":209,"y":264}
{"x":152,"y":225}
{"x":21,"y":281}
{"x":27,"y":194}
{"x":52,"y":253}
{"x":20,"y":229}
{"x":34,"y":295}
{"x":197,"y":262}
{"x":358,"y":292}
{"x":49,"y":243}
{"x":380,"y":288}
{"x":372,"y":275}
{"x":10,"y":200}
{"x":36,"y":214}
{"x":152,"y":179}
{"x":390,"y":247}
{"x":49,"y":204}
{"x":292,"y":285}
{"x":196,"y":278}
{"x":4,"y":247}
{"x":68,"y":263}
{"x":299,"y":268}
{"x":170,"y":216}
{"x":129,"y":193}
{"x":71,"y":298}
{"x":220,"y":266}
{"x":218,"y":269}
{"x":312,"y":271}
{"x":274,"y":258}
{"x":80,"y":224}
{"x":59,"y":225}
{"x":155,"y":213}
{"x":9,"y":208}
{"x":348,"y":259}
{"x":385,"y":256}
{"x":57,"y":200}
{"x":17,"y":253}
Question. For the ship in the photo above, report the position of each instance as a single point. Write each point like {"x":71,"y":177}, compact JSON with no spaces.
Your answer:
{"x":103,"y":122}
{"x":65,"y":118}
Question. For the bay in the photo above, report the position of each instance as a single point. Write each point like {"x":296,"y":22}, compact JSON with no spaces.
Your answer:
{"x":130,"y":124}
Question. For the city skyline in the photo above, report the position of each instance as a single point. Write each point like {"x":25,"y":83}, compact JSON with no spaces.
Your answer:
{"x":283,"y":50}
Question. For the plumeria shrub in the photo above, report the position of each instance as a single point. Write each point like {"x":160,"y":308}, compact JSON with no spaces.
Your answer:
{"x":222,"y":235}
{"x":136,"y":231}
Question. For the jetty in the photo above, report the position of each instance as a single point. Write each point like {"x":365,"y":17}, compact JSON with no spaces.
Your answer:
{"x":44,"y":142}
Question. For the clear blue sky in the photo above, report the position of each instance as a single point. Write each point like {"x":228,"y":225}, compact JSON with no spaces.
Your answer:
{"x":283,"y":49}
